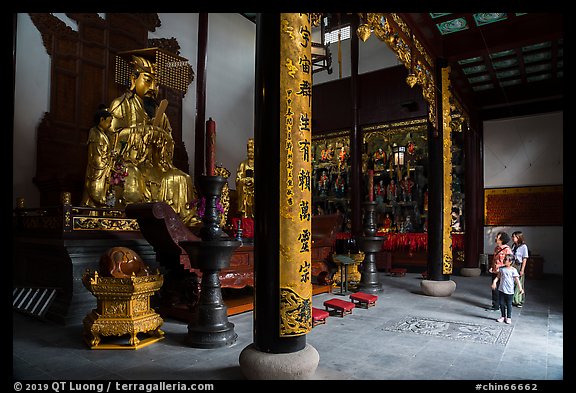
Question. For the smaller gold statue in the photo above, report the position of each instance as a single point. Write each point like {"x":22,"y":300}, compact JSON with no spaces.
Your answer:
{"x":245,"y":183}
{"x":100,"y":161}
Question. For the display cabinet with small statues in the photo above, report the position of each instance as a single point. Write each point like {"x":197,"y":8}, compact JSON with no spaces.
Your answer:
{"x":331,"y":174}
{"x":394,"y":175}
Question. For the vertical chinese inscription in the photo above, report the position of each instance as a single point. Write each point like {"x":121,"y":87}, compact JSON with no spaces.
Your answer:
{"x":295,"y":174}
{"x":447,"y":262}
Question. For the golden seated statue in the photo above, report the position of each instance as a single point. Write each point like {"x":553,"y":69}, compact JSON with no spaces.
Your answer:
{"x":123,"y":290}
{"x":131,"y":148}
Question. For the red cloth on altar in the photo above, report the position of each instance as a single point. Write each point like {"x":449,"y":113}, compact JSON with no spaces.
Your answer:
{"x":247,"y":227}
{"x":409,"y":241}
{"x":415,"y":241}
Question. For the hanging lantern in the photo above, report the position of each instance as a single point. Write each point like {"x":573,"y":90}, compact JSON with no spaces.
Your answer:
{"x":398,"y":152}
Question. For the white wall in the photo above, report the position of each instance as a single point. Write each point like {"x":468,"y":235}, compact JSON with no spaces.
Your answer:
{"x":524,"y":151}
{"x":230,"y":84}
{"x":184,"y":27}
{"x":372,"y":55}
{"x":230,"y":80}
{"x":31,"y":100}
{"x":527,"y":151}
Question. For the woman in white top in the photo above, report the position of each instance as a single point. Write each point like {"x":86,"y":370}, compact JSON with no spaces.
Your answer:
{"x":520,"y":251}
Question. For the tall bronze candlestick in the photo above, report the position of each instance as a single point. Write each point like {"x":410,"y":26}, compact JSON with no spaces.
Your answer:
{"x":371,"y":185}
{"x":210,"y":147}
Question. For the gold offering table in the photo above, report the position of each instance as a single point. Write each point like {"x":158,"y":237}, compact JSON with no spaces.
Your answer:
{"x":123,"y":309}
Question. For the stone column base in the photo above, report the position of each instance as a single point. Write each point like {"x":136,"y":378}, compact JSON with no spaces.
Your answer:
{"x":438,"y":288}
{"x":257,"y":365}
{"x":470,"y":271}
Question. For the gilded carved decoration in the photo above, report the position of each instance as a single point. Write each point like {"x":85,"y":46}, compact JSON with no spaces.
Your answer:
{"x":391,"y":29}
{"x":69,"y":218}
{"x":458,"y":115}
{"x":295,"y":174}
{"x":389,"y":129}
{"x":105,"y":224}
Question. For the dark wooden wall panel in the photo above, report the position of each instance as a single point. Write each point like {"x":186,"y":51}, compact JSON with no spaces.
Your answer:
{"x":66,"y":46}
{"x":94,"y":53}
{"x":92,"y":75}
{"x":63,"y":103}
{"x":384,"y":97}
{"x":64,"y":63}
{"x":332,"y":106}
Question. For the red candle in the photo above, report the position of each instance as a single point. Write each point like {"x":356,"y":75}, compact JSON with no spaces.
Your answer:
{"x":210,"y":147}
{"x":370,"y":185}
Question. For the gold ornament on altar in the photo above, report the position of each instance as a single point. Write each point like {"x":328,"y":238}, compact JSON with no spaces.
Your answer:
{"x":123,"y":290}
{"x":354,"y":276}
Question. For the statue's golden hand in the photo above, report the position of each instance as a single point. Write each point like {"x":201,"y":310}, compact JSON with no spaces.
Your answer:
{"x":153,"y":135}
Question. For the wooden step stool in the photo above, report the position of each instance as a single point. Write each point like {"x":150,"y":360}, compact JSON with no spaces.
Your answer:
{"x":339,"y":307}
{"x":364,"y":300}
{"x":319,"y":316}
{"x":398,"y":272}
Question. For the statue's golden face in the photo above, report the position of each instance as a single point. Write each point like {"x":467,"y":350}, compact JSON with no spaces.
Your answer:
{"x":250,"y":149}
{"x":105,"y":122}
{"x":145,"y":85}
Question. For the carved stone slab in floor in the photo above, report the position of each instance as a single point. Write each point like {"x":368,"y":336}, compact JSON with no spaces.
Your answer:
{"x":455,"y":330}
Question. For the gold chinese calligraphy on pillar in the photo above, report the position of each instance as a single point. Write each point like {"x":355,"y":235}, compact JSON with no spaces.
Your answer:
{"x":295,"y":174}
{"x":447,"y":262}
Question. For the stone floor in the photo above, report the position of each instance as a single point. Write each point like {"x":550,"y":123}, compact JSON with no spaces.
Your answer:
{"x":406,"y":336}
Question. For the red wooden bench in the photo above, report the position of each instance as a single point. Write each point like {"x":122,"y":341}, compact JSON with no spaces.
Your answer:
{"x":339,"y":307}
{"x":398,"y":272}
{"x":319,"y":316}
{"x":363,"y":300}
